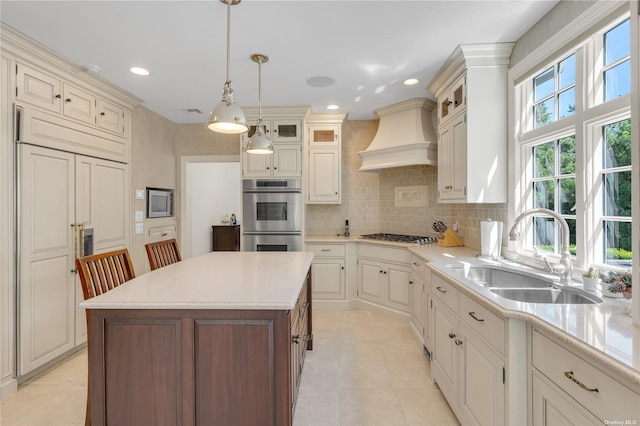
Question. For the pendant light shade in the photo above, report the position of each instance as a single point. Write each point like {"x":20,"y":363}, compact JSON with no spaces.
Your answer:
{"x":259,"y":143}
{"x":227,"y":117}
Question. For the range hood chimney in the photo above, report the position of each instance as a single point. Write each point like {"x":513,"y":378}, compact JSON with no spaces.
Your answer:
{"x":405,"y":137}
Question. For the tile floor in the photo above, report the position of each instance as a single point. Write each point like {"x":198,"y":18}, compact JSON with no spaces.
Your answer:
{"x":365,"y":369}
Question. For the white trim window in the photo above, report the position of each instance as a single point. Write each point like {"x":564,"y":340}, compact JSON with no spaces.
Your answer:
{"x":573,"y":139}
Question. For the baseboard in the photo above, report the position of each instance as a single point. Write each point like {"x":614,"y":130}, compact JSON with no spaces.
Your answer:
{"x":8,"y":387}
{"x":332,"y":305}
{"x":416,"y":334}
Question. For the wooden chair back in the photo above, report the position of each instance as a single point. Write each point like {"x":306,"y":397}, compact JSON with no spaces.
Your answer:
{"x":98,"y":274}
{"x":163,"y":253}
{"x":102,"y":272}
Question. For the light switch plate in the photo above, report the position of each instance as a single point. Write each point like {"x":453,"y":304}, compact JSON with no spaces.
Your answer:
{"x":139,"y":228}
{"x":139,"y":194}
{"x":139,"y":215}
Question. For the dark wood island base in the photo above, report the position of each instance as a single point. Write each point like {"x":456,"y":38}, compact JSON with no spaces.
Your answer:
{"x":197,"y":366}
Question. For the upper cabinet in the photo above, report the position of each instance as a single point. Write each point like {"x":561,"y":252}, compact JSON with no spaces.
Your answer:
{"x":324,"y":153}
{"x":284,"y":127}
{"x":471,"y":89}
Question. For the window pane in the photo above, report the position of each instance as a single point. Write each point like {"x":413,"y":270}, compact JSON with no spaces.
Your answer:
{"x":617,"y":81}
{"x":568,"y":155}
{"x":617,"y":194}
{"x":567,"y":196}
{"x":544,"y":195}
{"x":617,"y":250}
{"x":544,"y":160}
{"x":567,"y":72}
{"x":567,"y":103}
{"x":543,"y":85}
{"x":617,"y":145}
{"x":617,"y":43}
{"x":543,"y":112}
{"x":543,"y":235}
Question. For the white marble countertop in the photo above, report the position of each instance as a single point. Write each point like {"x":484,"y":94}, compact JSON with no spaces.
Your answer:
{"x":601,"y":332}
{"x":217,"y":280}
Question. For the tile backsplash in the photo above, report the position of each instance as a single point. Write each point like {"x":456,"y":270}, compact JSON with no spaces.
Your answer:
{"x":368,"y":199}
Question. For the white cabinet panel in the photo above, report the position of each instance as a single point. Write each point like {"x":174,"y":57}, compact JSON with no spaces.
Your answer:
{"x":551,"y":407}
{"x":328,"y":278}
{"x":79,"y":104}
{"x":444,"y":361}
{"x":398,"y":287}
{"x":111,"y":117}
{"x":370,"y":281}
{"x":324,"y":176}
{"x":38,"y":88}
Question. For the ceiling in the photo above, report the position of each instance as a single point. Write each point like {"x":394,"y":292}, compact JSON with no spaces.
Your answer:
{"x":368,"y":47}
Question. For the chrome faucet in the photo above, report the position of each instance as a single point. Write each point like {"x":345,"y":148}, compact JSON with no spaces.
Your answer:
{"x":565,"y":268}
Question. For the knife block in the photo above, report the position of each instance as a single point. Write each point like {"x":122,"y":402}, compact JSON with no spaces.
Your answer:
{"x":450,"y":240}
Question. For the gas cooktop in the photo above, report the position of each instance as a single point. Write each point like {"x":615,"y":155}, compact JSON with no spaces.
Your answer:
{"x":400,"y":238}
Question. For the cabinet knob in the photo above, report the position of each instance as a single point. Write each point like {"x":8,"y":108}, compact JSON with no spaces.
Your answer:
{"x":268,"y":167}
{"x":275,"y":168}
{"x":67,"y":100}
{"x":295,"y":339}
{"x":448,"y":103}
{"x":458,"y":342}
{"x":58,"y":96}
{"x":410,"y":282}
{"x":102,"y":114}
{"x":451,"y":335}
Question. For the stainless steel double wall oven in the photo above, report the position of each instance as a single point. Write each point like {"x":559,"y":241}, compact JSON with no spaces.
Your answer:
{"x":272,"y":214}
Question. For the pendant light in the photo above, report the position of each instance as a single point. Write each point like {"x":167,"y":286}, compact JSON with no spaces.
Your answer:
{"x":227,"y":117}
{"x":259,"y":143}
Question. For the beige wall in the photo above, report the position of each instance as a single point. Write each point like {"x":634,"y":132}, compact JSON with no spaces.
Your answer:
{"x":368,"y":198}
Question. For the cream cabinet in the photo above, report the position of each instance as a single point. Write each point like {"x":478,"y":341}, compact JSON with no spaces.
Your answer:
{"x":569,"y":388}
{"x":328,"y":271}
{"x":469,"y":355}
{"x":282,"y":130}
{"x":54,"y":94}
{"x":285,"y":162}
{"x":420,"y":281}
{"x":160,"y":233}
{"x":383,"y":277}
{"x":471,"y":89}
{"x":324,"y":158}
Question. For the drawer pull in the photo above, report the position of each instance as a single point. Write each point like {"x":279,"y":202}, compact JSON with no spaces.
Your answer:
{"x":441,"y":290}
{"x":569,"y":375}
{"x":325,"y":249}
{"x":416,"y":264}
{"x":473,"y":315}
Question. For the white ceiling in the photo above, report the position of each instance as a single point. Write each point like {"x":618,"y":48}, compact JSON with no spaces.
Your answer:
{"x":367,"y":47}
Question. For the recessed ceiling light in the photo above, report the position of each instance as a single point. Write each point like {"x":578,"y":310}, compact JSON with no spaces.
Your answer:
{"x":411,"y":82}
{"x":139,"y":71}
{"x":333,"y":106}
{"x":320,"y":81}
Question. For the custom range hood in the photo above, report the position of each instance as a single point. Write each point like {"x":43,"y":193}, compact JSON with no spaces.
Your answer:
{"x":405,"y":137}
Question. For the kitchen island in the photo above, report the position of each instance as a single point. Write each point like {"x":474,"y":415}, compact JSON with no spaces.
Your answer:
{"x":216,"y":339}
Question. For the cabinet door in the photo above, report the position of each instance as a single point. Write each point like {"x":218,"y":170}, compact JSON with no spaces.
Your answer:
{"x":38,"y":88}
{"x":444,"y":360}
{"x":452,"y":159}
{"x":417,"y":301}
{"x":428,"y":319}
{"x":79,"y":104}
{"x":324,"y":135}
{"x":252,"y":129}
{"x":324,"y":176}
{"x":256,"y":165}
{"x":287,"y":160}
{"x":286,"y":130}
{"x":328,"y":278}
{"x":46,"y":290}
{"x":370,"y":280}
{"x":111,"y":117}
{"x":481,"y":381}
{"x":161,"y":233}
{"x":552,"y":407}
{"x":398,"y":288}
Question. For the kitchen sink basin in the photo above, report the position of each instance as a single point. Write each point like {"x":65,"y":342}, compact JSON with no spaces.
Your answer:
{"x":495,"y":277}
{"x":546,"y":295}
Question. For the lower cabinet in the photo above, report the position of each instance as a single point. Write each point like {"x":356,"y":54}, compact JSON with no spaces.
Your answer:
{"x":197,"y":366}
{"x":468,"y":356}
{"x":569,"y":389}
{"x":225,"y":238}
{"x":329,"y":271}
{"x":420,"y":281}
{"x":383,"y":277}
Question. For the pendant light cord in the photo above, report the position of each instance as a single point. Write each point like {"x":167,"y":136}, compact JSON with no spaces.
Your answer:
{"x":260,"y":89}
{"x":228,"y":37}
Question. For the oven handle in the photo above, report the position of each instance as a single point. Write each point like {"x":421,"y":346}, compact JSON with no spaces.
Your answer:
{"x":272,"y":191}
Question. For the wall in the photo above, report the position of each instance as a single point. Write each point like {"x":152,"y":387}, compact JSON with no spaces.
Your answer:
{"x":368,"y":199}
{"x":153,"y":164}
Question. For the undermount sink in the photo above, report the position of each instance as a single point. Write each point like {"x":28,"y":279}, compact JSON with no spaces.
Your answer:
{"x":524,"y":286}
{"x":546,"y":295}
{"x":496,"y":277}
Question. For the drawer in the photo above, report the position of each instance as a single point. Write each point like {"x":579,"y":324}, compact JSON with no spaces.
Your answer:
{"x":419,"y":267}
{"x":385,"y":254}
{"x":487,"y":324}
{"x":327,"y":250}
{"x":446,"y":292}
{"x":613,"y":400}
